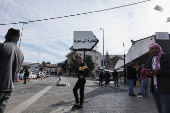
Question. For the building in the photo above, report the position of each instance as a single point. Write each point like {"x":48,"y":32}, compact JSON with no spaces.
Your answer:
{"x":139,"y":52}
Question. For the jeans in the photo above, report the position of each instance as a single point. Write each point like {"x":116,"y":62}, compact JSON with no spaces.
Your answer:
{"x":140,"y":83}
{"x":3,"y":101}
{"x":79,"y":84}
{"x":116,"y":81}
{"x":131,"y":84}
{"x":25,"y":79}
{"x":100,"y":82}
{"x":144,"y":87}
{"x":107,"y":80}
{"x":162,"y":101}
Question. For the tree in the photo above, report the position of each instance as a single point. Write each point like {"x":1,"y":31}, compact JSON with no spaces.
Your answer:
{"x":89,"y":62}
{"x":107,"y":58}
{"x":43,"y":63}
{"x":48,"y":63}
{"x":64,"y":65}
{"x":114,"y":59}
{"x":74,"y":66}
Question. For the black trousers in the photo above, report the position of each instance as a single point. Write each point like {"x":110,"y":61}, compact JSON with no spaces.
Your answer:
{"x":4,"y":100}
{"x":79,"y":85}
{"x":25,"y":79}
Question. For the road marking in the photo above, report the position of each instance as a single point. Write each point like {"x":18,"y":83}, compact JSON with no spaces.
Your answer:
{"x":68,"y":84}
{"x":21,"y":107}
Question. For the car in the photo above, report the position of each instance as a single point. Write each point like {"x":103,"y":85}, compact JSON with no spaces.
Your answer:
{"x":47,"y":74}
{"x":32,"y":75}
{"x":21,"y":76}
{"x":97,"y":78}
{"x":39,"y":75}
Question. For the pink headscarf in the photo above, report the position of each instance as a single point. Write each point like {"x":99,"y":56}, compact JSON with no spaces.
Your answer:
{"x":156,"y":60}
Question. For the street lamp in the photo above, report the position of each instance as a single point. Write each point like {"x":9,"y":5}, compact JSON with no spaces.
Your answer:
{"x":159,"y":8}
{"x":103,"y":49}
{"x":39,"y":56}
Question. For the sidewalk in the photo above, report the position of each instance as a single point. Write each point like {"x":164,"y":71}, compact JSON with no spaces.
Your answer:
{"x":117,"y":102}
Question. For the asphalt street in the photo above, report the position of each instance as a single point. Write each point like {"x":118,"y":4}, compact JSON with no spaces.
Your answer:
{"x":43,"y":96}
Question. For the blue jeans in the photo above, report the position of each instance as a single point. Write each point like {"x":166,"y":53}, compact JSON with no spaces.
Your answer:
{"x":162,"y":101}
{"x":140,"y":83}
{"x":131,"y":84}
{"x":144,"y":87}
{"x":116,"y":81}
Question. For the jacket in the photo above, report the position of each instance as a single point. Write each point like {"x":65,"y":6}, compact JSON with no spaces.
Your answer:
{"x":83,"y":70}
{"x":11,"y":59}
{"x":163,"y":77}
{"x":115,"y":74}
{"x":131,"y":74}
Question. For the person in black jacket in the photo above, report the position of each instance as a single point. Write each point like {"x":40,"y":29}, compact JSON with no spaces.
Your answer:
{"x":83,"y":72}
{"x":101,"y":78}
{"x":26,"y":74}
{"x":159,"y":70}
{"x":131,"y":77}
{"x":115,"y":77}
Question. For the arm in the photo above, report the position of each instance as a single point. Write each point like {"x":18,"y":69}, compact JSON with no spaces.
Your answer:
{"x":166,"y":70}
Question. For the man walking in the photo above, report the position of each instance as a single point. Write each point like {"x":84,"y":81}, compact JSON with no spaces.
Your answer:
{"x":101,"y":78}
{"x":115,"y":77}
{"x":159,"y":70}
{"x":83,"y":71}
{"x":131,"y":77}
{"x":11,"y":59}
{"x":26,"y":74}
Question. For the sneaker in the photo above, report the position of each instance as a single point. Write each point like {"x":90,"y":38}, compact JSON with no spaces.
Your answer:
{"x":118,"y":86}
{"x":139,"y":96}
{"x":75,"y":107}
{"x":139,"y":93}
{"x":133,"y":95}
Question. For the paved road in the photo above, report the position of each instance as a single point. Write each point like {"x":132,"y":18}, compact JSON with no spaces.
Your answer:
{"x":42,"y":96}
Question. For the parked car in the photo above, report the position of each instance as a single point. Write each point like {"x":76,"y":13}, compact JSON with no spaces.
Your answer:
{"x":21,"y":76}
{"x":47,"y":74}
{"x":32,"y":75}
{"x":39,"y":75}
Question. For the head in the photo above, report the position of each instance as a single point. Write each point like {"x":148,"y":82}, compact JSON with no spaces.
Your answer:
{"x":12,"y":35}
{"x":154,"y":49}
{"x":79,"y":60}
{"x":143,"y":66}
{"x":131,"y":64}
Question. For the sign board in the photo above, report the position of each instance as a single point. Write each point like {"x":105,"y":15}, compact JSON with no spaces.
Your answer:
{"x":84,"y":41}
{"x":162,"y":35}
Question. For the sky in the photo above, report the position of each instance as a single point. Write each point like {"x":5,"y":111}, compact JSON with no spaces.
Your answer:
{"x":50,"y":40}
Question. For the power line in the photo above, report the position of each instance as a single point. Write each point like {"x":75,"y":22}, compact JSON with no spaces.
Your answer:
{"x":82,"y":13}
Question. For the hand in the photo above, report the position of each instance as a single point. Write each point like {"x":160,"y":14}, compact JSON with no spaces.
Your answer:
{"x":81,"y":76}
{"x":154,"y":71}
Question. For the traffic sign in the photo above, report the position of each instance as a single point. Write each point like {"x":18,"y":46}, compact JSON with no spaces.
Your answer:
{"x":84,"y":41}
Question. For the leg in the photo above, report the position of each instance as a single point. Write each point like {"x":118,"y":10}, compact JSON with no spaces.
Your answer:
{"x":142,"y":87}
{"x":76,"y":87}
{"x":3,"y":101}
{"x":156,"y":98}
{"x":146,"y":88}
{"x":131,"y":84}
{"x":82,"y":84}
{"x":115,"y":82}
{"x":165,"y":102}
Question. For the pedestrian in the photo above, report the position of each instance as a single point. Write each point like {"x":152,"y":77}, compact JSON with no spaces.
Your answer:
{"x":107,"y":77}
{"x":115,"y":78}
{"x":131,"y":77}
{"x":159,"y":70}
{"x":83,"y":72}
{"x":139,"y":79}
{"x":11,"y":59}
{"x":26,"y":74}
{"x":144,"y":82}
{"x":134,"y":70}
{"x":100,"y":78}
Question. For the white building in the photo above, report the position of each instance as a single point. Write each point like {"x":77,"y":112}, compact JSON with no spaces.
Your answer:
{"x":139,"y":52}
